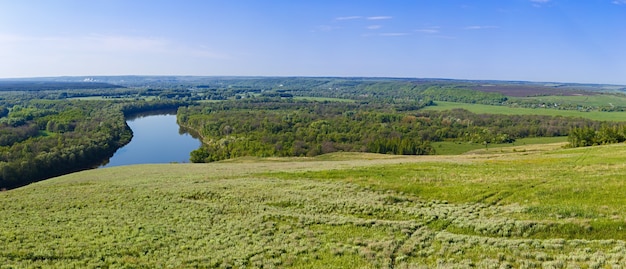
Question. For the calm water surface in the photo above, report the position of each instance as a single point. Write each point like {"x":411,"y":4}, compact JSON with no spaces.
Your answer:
{"x":156,"y":139}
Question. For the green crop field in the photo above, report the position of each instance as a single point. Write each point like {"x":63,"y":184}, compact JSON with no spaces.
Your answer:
{"x":505,"y":110}
{"x":599,"y":100}
{"x":524,"y":207}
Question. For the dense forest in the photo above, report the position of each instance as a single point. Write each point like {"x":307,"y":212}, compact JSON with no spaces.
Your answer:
{"x":51,"y":138}
{"x":44,"y":138}
{"x":287,"y":127}
{"x":54,"y":126}
{"x":591,"y":136}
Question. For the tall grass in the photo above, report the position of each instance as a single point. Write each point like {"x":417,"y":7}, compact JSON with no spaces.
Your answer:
{"x":557,"y":208}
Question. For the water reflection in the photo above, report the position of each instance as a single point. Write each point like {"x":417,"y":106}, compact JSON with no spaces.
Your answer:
{"x":156,"y":139}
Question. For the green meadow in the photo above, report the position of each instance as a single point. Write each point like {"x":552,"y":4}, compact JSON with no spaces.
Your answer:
{"x":458,"y":147}
{"x":526,"y":206}
{"x":505,"y":110}
{"x":598,"y":100}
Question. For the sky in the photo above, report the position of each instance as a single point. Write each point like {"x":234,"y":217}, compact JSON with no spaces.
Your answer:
{"x":580,"y":41}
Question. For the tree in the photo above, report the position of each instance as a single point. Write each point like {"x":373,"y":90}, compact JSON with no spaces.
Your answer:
{"x":4,"y":111}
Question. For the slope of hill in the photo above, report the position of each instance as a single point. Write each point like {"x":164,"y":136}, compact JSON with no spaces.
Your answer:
{"x":527,"y":207}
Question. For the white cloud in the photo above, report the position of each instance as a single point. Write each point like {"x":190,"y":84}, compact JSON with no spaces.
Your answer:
{"x":379,"y":18}
{"x":374,"y":27}
{"x":539,"y":3}
{"x":480,"y":27}
{"x":619,"y":2}
{"x":347,"y":18}
{"x":386,"y":34}
{"x":428,"y":30}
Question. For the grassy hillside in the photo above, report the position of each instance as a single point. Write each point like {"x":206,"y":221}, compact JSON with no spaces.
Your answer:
{"x":523,"y":207}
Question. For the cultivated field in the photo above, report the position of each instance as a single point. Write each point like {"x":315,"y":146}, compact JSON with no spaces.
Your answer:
{"x":596,"y":100}
{"x":526,"y":207}
{"x":528,"y":90}
{"x":505,"y":110}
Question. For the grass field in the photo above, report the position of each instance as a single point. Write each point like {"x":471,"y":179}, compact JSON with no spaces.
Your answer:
{"x":524,"y":207}
{"x":454,"y":148}
{"x":599,"y":100}
{"x":487,"y":109}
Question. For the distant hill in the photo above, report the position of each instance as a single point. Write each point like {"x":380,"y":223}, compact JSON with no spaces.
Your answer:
{"x":509,"y":88}
{"x":11,"y":85}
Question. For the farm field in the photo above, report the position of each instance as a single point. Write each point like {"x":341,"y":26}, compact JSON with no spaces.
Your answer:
{"x":505,"y":110}
{"x":530,"y":90}
{"x":596,"y":100}
{"x":528,"y":207}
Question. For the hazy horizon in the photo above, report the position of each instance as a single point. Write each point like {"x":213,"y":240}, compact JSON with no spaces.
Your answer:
{"x":56,"y":78}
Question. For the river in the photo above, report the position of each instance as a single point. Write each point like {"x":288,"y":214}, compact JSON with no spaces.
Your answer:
{"x":156,"y":139}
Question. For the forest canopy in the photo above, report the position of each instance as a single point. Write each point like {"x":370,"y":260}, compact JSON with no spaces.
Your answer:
{"x":287,"y":127}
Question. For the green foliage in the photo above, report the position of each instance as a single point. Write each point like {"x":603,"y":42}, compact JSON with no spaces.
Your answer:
{"x":588,"y":136}
{"x":11,"y":134}
{"x":299,"y":128}
{"x":401,"y":146}
{"x":284,"y":127}
{"x":3,"y":111}
{"x":463,"y":95}
{"x":79,"y":135}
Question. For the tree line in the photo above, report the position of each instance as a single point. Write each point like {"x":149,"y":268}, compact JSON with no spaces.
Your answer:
{"x":592,"y":136}
{"x":285,"y":127}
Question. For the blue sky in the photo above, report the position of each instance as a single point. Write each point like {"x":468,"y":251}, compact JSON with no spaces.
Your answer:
{"x":534,"y":40}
